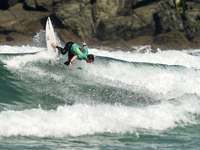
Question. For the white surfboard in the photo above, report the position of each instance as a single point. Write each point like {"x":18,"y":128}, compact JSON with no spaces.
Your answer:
{"x":50,"y":38}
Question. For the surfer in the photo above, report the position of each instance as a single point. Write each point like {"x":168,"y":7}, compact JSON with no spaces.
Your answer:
{"x":75,"y":52}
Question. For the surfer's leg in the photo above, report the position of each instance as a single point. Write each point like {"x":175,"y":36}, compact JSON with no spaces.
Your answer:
{"x":62,"y":51}
{"x":67,"y":47}
{"x":70,"y":56}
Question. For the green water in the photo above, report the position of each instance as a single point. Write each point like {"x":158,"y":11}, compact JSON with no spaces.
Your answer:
{"x":110,"y":104}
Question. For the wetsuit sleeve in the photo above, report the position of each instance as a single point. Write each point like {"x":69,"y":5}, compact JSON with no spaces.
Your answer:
{"x":81,"y":56}
{"x":85,"y":48}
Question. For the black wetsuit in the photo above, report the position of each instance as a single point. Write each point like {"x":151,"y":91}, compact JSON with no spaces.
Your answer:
{"x":65,"y":50}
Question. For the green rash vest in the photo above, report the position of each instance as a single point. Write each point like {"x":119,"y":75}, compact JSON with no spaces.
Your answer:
{"x":81,"y":52}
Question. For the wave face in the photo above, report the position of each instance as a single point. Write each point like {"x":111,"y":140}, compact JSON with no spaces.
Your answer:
{"x":131,"y":96}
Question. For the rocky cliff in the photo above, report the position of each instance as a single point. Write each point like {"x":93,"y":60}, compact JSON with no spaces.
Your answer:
{"x":164,"y":24}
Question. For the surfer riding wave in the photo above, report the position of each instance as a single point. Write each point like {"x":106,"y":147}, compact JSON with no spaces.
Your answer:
{"x":75,"y":52}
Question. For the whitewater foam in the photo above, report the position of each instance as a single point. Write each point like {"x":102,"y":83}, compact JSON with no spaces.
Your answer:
{"x":170,"y":57}
{"x":6,"y":49}
{"x":18,"y":61}
{"x":163,"y":81}
{"x":82,"y":119}
{"x":39,"y":76}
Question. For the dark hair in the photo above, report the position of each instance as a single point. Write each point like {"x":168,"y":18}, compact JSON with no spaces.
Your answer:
{"x":91,"y":57}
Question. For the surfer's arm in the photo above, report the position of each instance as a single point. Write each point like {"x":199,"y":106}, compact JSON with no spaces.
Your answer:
{"x":74,"y":58}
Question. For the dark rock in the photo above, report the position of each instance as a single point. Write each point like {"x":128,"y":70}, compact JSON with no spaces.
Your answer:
{"x":171,"y":40}
{"x":9,"y":16}
{"x":116,"y":23}
{"x":20,"y":24}
{"x":76,"y":17}
{"x":9,"y":39}
{"x":168,"y":19}
{"x":17,"y":20}
{"x":5,"y":4}
{"x":30,"y":4}
{"x":192,"y":22}
{"x":40,"y":5}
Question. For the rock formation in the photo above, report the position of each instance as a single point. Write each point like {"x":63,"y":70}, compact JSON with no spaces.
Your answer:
{"x":164,"y":24}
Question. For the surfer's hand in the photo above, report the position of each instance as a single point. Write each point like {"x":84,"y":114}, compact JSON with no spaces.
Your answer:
{"x":70,"y":64}
{"x":53,"y":44}
{"x":84,"y":43}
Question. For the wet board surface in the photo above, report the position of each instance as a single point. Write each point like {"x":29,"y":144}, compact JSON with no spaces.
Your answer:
{"x":50,"y":38}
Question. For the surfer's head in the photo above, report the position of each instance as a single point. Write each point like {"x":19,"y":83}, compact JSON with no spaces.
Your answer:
{"x":89,"y":58}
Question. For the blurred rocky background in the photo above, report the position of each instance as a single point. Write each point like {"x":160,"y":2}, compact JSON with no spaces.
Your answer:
{"x":164,"y":24}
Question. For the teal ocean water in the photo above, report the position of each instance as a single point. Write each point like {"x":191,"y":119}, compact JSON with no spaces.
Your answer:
{"x":124,"y":100}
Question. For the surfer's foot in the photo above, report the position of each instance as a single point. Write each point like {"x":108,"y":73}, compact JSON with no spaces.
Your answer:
{"x":67,"y":63}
